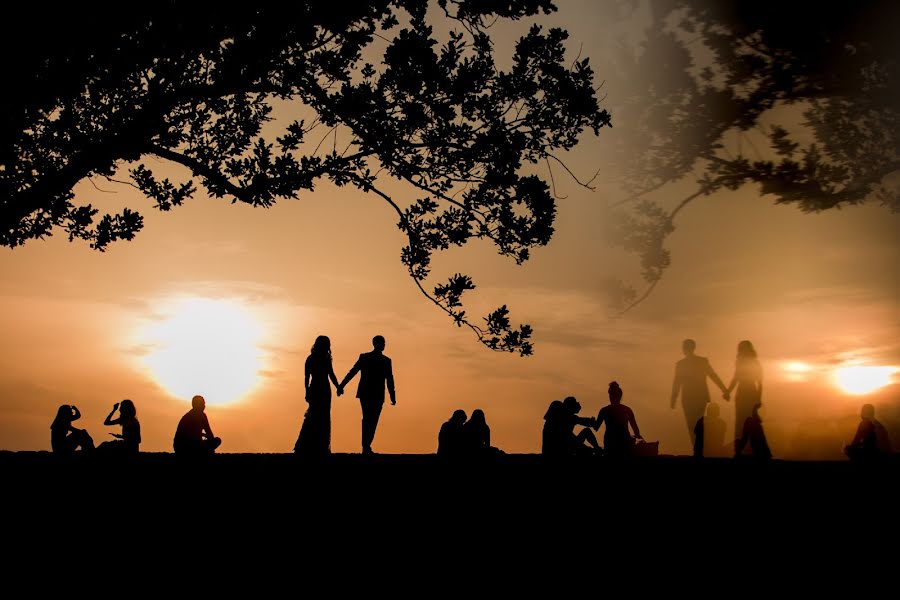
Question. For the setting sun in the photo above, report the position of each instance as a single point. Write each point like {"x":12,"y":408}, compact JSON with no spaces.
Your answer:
{"x":205,"y":346}
{"x":862,"y":380}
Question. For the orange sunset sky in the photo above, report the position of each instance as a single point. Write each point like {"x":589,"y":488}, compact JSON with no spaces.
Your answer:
{"x":225,"y":300}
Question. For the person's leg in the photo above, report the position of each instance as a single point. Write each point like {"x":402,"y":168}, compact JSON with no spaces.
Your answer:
{"x":209,"y":446}
{"x":586,"y":435}
{"x":371,"y":411}
{"x":693,"y":412}
{"x":81,"y":438}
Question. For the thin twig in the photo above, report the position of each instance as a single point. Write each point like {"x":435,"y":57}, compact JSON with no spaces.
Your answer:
{"x":637,"y":195}
{"x":110,"y":179}
{"x":569,"y":171}
{"x":643,"y":297}
{"x":553,"y":181}
{"x":91,"y":179}
{"x":324,"y":137}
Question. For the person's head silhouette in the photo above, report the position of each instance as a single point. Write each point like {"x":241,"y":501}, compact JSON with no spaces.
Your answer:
{"x":746,"y":350}
{"x":64,"y":413}
{"x":198,"y":403}
{"x":127,"y":409}
{"x":378,"y":343}
{"x":477,"y":417}
{"x":554,"y":410}
{"x":688,"y":347}
{"x":572,"y":405}
{"x":867,"y":412}
{"x":321,"y":347}
{"x":458,"y":417}
{"x":615,"y":393}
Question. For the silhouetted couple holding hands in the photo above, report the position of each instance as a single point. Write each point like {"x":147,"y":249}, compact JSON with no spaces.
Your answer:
{"x":560,"y":439}
{"x":375,"y":374}
{"x":691,"y":374}
{"x":461,"y":438}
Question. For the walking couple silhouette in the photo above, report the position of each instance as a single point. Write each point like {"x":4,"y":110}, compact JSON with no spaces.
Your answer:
{"x":375,"y":374}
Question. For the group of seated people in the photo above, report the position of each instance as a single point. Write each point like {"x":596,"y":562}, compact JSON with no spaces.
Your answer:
{"x":193,"y":437}
{"x":560,"y":439}
{"x":461,"y":438}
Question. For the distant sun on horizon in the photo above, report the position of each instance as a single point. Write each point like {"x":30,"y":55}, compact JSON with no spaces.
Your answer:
{"x":205,"y":346}
{"x":853,"y":379}
{"x":859,"y":380}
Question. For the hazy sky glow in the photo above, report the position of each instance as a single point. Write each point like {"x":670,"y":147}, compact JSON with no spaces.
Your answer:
{"x":225,"y":301}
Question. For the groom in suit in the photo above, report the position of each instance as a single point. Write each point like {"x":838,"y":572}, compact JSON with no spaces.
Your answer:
{"x":375,"y":369}
{"x":691,"y":373}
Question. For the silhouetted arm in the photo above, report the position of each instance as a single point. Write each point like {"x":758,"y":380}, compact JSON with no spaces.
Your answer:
{"x":109,"y":420}
{"x":733,"y":383}
{"x":633,"y":422}
{"x":598,"y":421}
{"x":676,"y":386}
{"x":76,"y":414}
{"x":712,"y":375}
{"x":352,"y":373}
{"x":307,"y":374}
{"x":584,"y":421}
{"x":861,"y":432}
{"x":390,"y":382}
{"x":331,"y":374}
{"x":207,"y":428}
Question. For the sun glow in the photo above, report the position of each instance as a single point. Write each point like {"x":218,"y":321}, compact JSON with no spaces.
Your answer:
{"x":862,"y":379}
{"x":797,"y":371}
{"x":205,"y":346}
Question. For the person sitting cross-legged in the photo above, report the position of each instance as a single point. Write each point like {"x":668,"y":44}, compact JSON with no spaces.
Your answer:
{"x":194,"y":437}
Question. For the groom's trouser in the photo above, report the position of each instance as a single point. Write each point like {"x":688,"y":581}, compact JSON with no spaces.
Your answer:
{"x":371,"y":411}
{"x":694,"y":409}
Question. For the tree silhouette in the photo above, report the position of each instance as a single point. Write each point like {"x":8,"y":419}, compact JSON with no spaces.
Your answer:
{"x":96,"y":92}
{"x":798,"y":99}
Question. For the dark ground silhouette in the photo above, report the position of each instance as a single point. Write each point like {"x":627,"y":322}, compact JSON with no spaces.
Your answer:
{"x":522,"y":517}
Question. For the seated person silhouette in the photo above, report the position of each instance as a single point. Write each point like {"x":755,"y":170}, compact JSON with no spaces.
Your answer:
{"x":753,"y":434}
{"x":559,"y":438}
{"x":871,"y":441}
{"x":194,"y":437}
{"x":64,"y":438}
{"x":451,"y":439}
{"x":129,"y":441}
{"x":709,"y":434}
{"x":617,"y":442}
{"x":477,"y":436}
